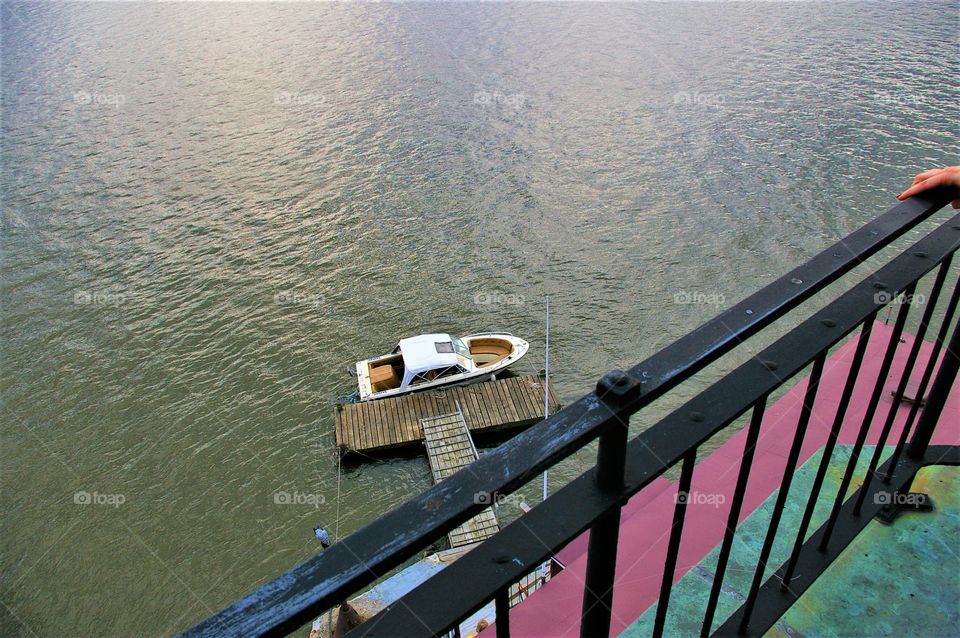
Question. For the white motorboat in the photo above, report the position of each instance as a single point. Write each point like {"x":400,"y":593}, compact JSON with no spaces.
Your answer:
{"x":433,"y":361}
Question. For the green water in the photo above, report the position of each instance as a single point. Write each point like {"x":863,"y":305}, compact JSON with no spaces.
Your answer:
{"x":209,"y":211}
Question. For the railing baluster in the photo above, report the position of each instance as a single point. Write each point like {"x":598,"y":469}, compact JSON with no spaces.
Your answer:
{"x":673,"y":547}
{"x":925,"y":379}
{"x":604,"y":535}
{"x":902,"y":386}
{"x":938,"y":398}
{"x":809,"y":397}
{"x":868,"y":417}
{"x":848,"y":386}
{"x":502,"y":605}
{"x":741,"y":487}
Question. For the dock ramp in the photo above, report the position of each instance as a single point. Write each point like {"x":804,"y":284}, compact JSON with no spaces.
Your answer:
{"x":450,"y":449}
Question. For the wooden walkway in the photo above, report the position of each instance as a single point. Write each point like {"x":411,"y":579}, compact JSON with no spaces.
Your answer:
{"x":395,"y":422}
{"x":449,"y":450}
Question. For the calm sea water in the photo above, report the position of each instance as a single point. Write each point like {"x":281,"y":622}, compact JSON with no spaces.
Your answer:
{"x":211,"y":210}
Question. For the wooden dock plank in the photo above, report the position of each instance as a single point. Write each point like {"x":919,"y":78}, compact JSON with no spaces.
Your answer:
{"x":390,"y":434}
{"x":502,"y":401}
{"x":393,"y":422}
{"x":350,"y":415}
{"x":403,"y":422}
{"x":488,"y":404}
{"x":354,"y":429}
{"x":405,"y":428}
{"x":535,"y":391}
{"x":450,"y":449}
{"x":519,"y":398}
{"x":344,"y":434}
{"x":477,"y":420}
{"x":509,"y":388}
{"x":536,"y":407}
{"x":375,"y":410}
{"x":341,"y":423}
{"x":337,"y":429}
{"x":369,"y":433}
{"x":420,"y":403}
{"x":390,"y":437}
{"x":535,"y":410}
{"x":495,"y":401}
{"x":467,"y":405}
{"x":521,"y":408}
{"x":393,"y":416}
{"x":512,"y":413}
{"x":370,"y":417}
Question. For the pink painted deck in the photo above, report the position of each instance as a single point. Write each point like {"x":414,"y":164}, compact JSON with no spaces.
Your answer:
{"x":554,"y":610}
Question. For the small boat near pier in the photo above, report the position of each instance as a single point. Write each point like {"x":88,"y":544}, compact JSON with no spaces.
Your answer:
{"x":432,"y":361}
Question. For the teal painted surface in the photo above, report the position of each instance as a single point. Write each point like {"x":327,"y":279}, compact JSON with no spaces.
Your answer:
{"x":906,"y":578}
{"x":857,"y":597}
{"x":689,"y":597}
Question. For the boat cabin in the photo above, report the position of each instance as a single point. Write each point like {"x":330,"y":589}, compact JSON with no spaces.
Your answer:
{"x":419,"y":360}
{"x":430,"y":357}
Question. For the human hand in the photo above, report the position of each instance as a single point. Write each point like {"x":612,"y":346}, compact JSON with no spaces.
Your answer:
{"x":948,"y":176}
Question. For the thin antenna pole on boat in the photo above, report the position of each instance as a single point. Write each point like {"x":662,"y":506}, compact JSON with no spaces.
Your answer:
{"x":546,"y":388}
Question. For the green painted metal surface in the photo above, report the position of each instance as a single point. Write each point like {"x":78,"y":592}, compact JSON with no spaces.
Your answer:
{"x":900,"y":580}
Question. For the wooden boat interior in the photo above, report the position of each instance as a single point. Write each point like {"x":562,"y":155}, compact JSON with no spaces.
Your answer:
{"x":487,"y":351}
{"x":386,"y":374}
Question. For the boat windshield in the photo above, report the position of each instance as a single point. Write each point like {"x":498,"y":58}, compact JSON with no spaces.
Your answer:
{"x":461,"y":347}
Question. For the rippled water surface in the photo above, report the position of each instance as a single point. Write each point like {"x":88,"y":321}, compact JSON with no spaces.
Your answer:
{"x":211,"y":210}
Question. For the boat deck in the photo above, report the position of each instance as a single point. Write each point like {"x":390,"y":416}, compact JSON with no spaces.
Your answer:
{"x":449,"y":450}
{"x":392,"y":423}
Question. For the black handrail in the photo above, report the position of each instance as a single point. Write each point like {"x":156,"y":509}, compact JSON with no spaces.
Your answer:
{"x":330,"y":577}
{"x":567,"y":513}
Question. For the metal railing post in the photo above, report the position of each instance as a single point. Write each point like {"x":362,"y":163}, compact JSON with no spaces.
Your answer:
{"x":942,"y":383}
{"x":502,"y":606}
{"x":605,"y":532}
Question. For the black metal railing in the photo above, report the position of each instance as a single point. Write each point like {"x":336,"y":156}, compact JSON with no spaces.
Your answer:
{"x":593,"y":500}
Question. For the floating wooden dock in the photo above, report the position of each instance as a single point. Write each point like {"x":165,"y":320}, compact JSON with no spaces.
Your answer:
{"x":449,"y":450}
{"x":487,"y":407}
